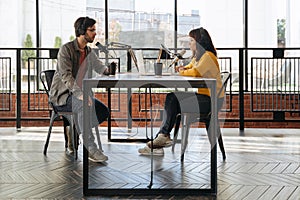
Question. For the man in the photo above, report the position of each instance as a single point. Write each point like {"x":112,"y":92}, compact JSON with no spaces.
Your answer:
{"x":75,"y":60}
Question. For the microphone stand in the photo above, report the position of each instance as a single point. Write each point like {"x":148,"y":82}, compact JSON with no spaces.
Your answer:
{"x":126,"y":47}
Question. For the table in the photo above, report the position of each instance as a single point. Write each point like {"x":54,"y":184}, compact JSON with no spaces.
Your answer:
{"x":132,"y":80}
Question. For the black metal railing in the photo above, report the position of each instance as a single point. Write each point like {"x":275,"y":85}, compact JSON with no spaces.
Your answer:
{"x":5,"y":84}
{"x":275,"y":84}
{"x":269,"y":75}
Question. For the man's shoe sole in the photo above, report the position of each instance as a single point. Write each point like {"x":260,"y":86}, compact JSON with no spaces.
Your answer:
{"x":98,"y":161}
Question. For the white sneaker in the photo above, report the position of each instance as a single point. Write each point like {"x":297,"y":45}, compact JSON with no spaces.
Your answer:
{"x":147,"y":151}
{"x":161,"y":141}
{"x":96,"y":155}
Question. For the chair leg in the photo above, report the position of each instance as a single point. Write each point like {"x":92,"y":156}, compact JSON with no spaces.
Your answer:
{"x":221,"y":145}
{"x":53,"y":116}
{"x":98,"y":138}
{"x":176,"y":129}
{"x":65,"y":134}
{"x":75,"y":137}
{"x":220,"y":140}
{"x":184,"y":134}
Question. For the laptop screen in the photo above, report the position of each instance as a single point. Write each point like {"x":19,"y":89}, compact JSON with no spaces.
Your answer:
{"x":134,"y":58}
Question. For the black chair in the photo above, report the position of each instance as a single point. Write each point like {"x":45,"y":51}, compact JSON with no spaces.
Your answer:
{"x":187,"y":118}
{"x":46,"y":78}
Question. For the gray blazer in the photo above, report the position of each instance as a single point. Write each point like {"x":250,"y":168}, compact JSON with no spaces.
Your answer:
{"x":64,"y":80}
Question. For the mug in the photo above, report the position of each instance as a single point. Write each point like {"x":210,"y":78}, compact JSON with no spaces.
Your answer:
{"x":158,"y":69}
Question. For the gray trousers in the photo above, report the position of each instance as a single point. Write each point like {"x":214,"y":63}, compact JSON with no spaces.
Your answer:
{"x":98,"y":113}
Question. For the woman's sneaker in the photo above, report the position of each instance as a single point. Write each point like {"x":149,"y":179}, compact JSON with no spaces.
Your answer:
{"x":96,"y":155}
{"x":147,"y":151}
{"x":162,"y":140}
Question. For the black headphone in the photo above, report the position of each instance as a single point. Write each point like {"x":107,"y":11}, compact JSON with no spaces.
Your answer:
{"x":82,"y":27}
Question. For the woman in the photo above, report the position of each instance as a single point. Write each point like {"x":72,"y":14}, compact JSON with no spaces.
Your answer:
{"x":203,"y":64}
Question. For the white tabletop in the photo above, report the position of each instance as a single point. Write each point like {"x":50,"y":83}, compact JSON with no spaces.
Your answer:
{"x":137,"y":80}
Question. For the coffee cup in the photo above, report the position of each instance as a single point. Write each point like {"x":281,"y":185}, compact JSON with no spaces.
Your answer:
{"x":158,"y":69}
{"x":112,"y":68}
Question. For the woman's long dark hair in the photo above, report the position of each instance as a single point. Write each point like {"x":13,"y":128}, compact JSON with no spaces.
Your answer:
{"x":204,"y":42}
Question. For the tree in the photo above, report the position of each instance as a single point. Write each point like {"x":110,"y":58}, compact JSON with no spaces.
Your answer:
{"x":281,"y":24}
{"x":72,"y":37}
{"x":28,"y":53}
{"x":58,"y":42}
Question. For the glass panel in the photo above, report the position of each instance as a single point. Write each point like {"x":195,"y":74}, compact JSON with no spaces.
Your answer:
{"x":292,"y":23}
{"x":57,"y":21}
{"x":264,"y":26}
{"x":223,"y":19}
{"x":141,"y":23}
{"x":18,"y":30}
{"x":19,"y":22}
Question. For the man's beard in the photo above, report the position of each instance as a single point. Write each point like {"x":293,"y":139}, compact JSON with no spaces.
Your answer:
{"x":88,"y":39}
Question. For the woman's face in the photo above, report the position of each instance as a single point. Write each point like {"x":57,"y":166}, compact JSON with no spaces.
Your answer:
{"x":192,"y":44}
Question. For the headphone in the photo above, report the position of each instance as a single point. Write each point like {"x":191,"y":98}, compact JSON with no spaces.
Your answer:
{"x":82,"y":27}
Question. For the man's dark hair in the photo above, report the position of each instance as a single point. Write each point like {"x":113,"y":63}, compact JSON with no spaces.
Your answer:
{"x":81,"y":25}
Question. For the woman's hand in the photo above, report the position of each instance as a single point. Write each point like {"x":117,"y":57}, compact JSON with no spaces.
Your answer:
{"x":179,"y":68}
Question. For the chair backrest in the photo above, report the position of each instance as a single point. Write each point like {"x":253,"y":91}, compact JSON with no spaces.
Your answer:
{"x":225,"y":75}
{"x":46,"y":78}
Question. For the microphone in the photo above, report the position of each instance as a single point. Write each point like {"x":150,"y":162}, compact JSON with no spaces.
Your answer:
{"x":101,"y":47}
{"x":167,"y":50}
{"x":177,"y":57}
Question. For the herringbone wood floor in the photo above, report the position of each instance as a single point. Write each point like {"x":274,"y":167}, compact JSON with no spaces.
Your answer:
{"x":263,"y":164}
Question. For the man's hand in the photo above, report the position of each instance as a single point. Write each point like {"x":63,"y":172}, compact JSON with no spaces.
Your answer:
{"x":106,"y":72}
{"x":89,"y":98}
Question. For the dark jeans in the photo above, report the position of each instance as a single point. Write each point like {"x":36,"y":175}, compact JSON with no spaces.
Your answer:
{"x":98,"y":113}
{"x":177,"y":102}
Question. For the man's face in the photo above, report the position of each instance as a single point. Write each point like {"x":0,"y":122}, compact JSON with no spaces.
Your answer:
{"x":90,"y":33}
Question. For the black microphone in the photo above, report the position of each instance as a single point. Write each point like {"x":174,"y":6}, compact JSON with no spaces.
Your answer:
{"x":177,"y":57}
{"x":167,"y":50}
{"x":101,"y":47}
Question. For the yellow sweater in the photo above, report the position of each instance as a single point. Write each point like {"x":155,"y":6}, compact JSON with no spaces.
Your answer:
{"x":206,"y":67}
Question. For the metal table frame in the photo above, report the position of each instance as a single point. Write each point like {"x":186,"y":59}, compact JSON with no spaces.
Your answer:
{"x":132,"y":80}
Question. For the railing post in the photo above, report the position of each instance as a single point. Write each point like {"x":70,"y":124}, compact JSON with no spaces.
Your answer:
{"x":241,"y":88}
{"x":18,"y":97}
